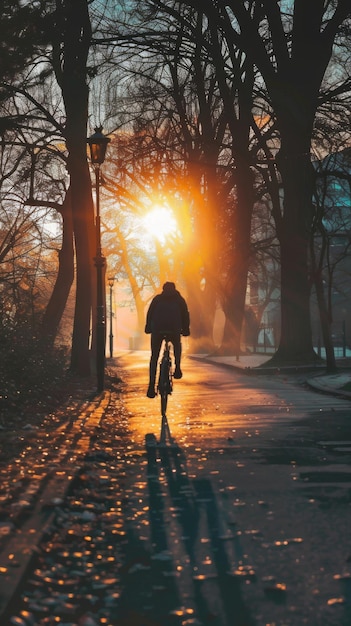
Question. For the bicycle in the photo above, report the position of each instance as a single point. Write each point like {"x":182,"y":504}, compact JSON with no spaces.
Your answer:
{"x":165,"y":386}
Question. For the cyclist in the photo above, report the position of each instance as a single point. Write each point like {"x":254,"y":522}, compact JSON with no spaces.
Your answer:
{"x":167,"y":314}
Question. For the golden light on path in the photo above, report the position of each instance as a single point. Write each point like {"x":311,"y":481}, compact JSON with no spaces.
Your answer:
{"x":160,"y":222}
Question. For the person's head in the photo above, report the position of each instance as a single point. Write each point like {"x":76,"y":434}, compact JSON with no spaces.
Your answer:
{"x":169,"y":287}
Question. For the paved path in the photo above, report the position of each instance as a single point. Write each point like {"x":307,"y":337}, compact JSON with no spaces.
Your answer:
{"x":251,"y":527}
{"x":244,"y":522}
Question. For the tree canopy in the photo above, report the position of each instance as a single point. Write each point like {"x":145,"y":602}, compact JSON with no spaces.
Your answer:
{"x":219,"y":108}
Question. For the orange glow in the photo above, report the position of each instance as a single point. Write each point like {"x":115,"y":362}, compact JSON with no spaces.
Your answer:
{"x":160,"y":222}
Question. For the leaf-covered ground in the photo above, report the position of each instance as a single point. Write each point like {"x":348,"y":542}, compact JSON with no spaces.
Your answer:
{"x":52,"y":408}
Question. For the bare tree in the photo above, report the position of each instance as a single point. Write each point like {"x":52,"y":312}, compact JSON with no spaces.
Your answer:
{"x":200,"y":93}
{"x":293,"y":67}
{"x":71,"y":37}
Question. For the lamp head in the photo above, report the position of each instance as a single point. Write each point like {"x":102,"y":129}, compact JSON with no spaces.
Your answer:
{"x":98,"y":144}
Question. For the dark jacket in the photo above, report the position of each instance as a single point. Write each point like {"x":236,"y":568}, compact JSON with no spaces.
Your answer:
{"x":168,"y":312}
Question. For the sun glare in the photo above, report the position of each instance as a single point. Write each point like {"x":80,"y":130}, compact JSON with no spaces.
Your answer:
{"x":160,"y":222}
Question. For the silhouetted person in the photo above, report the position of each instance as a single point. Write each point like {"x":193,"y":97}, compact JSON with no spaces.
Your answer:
{"x":167,"y":315}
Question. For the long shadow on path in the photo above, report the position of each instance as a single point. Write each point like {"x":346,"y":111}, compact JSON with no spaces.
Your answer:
{"x":192,"y":561}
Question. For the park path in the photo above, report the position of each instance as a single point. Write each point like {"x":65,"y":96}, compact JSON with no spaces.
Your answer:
{"x":244,"y":521}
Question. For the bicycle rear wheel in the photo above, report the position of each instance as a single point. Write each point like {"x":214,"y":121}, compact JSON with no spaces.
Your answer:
{"x":165,"y":382}
{"x":164,"y":400}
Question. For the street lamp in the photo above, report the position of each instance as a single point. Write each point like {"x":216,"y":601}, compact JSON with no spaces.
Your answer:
{"x":111,"y":281}
{"x":98,"y":144}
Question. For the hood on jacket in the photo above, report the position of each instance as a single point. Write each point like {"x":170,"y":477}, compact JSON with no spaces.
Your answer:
{"x":169,"y":287}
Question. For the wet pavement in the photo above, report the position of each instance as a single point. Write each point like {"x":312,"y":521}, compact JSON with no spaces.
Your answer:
{"x":244,"y":521}
{"x":277,"y":493}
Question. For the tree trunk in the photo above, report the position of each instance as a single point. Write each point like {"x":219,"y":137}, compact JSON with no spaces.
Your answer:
{"x":235,"y":293}
{"x":77,"y":39}
{"x":202,"y":308}
{"x":325,"y":325}
{"x":294,"y":236}
{"x":201,"y":271}
{"x":83,"y":225}
{"x":57,"y":303}
{"x":325,"y":312}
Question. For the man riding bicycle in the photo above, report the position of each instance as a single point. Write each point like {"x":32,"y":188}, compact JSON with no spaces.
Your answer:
{"x":167,"y":314}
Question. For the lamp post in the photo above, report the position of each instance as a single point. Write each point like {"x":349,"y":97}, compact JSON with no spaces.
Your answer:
{"x":111,"y":281}
{"x":98,"y":144}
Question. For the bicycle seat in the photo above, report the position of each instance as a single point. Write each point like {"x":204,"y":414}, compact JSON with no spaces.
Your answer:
{"x":166,"y":333}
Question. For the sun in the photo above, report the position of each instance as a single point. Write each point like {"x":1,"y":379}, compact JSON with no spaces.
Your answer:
{"x":160,"y":222}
